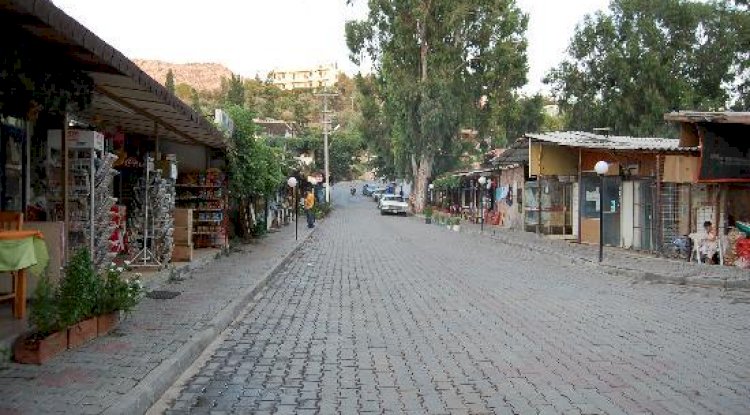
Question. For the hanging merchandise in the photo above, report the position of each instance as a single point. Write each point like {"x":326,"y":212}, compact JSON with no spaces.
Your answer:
{"x":90,"y":220}
{"x":151,"y":223}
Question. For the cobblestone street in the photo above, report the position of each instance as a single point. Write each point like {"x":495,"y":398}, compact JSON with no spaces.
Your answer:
{"x":387,"y":314}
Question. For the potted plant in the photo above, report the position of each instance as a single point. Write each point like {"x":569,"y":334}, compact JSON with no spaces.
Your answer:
{"x":427,"y":214}
{"x":46,"y":338}
{"x":117,"y":295}
{"x":79,"y":288}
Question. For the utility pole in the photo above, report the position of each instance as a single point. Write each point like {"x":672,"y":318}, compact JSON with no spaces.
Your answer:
{"x":326,"y":124}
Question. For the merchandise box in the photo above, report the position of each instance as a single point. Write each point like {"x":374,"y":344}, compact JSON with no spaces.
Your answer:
{"x":182,"y":253}
{"x":183,"y":217}
{"x":182,"y":235}
{"x":77,"y":140}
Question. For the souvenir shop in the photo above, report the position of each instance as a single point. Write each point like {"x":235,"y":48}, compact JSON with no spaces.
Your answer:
{"x":129,"y":196}
{"x":96,"y":155}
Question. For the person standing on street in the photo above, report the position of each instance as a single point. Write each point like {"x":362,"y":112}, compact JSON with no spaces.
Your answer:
{"x":309,"y":203}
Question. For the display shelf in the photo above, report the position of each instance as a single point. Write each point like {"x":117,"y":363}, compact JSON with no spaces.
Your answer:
{"x":205,"y":194}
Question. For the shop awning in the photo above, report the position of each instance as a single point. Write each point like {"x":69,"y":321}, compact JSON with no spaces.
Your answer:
{"x":125,"y":97}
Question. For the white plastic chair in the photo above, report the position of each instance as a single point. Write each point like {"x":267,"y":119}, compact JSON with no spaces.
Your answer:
{"x":695,"y":252}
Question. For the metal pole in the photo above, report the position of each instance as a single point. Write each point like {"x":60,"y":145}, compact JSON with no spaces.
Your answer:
{"x":601,"y":217}
{"x":325,"y":147}
{"x":481,"y":207}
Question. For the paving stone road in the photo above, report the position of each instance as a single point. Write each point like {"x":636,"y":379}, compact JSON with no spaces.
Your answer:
{"x":388,"y":315}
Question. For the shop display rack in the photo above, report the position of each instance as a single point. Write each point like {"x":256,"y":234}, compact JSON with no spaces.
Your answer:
{"x":206,"y":194}
{"x":151,"y":226}
{"x":90,"y":202}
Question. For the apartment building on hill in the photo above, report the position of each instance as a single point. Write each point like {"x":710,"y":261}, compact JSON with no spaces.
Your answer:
{"x":321,"y":76}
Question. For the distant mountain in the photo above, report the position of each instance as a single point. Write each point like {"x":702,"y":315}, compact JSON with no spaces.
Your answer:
{"x":201,"y":76}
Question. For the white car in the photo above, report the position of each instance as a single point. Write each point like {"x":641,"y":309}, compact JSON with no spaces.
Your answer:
{"x":393,"y":204}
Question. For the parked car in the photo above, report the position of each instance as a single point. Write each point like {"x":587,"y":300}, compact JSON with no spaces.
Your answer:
{"x":367,"y":189}
{"x":394,"y":204}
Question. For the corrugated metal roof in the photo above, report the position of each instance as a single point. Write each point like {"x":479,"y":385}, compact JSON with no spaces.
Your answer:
{"x":579,"y":139}
{"x":516,"y":154}
{"x":725,"y":117}
{"x":465,"y":173}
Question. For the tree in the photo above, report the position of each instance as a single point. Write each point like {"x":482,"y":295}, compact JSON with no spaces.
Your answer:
{"x":256,"y":168}
{"x":195,"y":102}
{"x":435,"y":59}
{"x":627,"y":67}
{"x":170,"y":81}
{"x":524,"y":115}
{"x":183,"y":91}
{"x":235,"y":91}
{"x":741,"y":89}
{"x":345,"y":147}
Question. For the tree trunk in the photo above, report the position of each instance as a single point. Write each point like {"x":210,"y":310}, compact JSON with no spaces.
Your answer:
{"x":422,"y":170}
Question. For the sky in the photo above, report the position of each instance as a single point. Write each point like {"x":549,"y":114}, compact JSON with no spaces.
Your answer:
{"x":254,"y":36}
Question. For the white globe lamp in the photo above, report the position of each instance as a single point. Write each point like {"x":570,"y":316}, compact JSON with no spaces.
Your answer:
{"x":601,"y":167}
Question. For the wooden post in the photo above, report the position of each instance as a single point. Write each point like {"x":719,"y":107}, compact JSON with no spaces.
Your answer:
{"x":19,"y":303}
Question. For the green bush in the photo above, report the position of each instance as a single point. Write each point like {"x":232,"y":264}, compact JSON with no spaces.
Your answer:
{"x":117,"y":292}
{"x":427,"y":211}
{"x":79,"y":289}
{"x":322,"y":210}
{"x":44,"y":317}
{"x":260,"y":228}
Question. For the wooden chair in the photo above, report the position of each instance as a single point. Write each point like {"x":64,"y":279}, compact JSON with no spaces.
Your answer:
{"x":12,"y":221}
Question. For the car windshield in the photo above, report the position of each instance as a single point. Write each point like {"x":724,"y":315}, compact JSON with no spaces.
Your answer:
{"x":390,"y":198}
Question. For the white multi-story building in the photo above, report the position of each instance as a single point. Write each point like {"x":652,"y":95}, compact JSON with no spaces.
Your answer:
{"x":322,"y":76}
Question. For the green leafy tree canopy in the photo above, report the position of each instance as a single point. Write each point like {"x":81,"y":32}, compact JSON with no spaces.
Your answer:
{"x":628,"y":66}
{"x":435,"y":60}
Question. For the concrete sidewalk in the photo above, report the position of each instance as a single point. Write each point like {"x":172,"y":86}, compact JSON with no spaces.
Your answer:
{"x":618,"y":261}
{"x":127,"y":371}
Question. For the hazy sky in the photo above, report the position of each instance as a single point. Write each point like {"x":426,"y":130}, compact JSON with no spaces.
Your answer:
{"x":254,"y":36}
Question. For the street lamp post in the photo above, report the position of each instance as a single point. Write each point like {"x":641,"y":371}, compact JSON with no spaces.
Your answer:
{"x":601,"y":169}
{"x":292,"y":182}
{"x":431,"y":187}
{"x":482,"y":182}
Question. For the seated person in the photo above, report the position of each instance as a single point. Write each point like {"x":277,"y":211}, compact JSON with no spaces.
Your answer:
{"x":708,"y":244}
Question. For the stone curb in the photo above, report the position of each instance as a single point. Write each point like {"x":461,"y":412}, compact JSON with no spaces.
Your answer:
{"x":623,"y":272}
{"x":157,"y":382}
